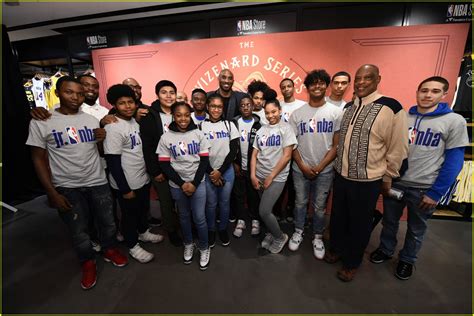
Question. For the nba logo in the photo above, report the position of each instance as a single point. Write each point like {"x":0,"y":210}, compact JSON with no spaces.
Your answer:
{"x":71,"y":132}
{"x":411,"y":135}
{"x":182,"y":148}
{"x":243,"y":135}
{"x":263,"y":140}
{"x":312,"y":125}
{"x":286,"y":116}
{"x":211,"y":135}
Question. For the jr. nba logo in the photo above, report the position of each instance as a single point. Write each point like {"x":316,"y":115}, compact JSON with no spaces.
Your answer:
{"x":312,"y":125}
{"x":211,"y":135}
{"x":411,"y":135}
{"x":243,"y":135}
{"x":263,"y":140}
{"x":72,"y":135}
{"x":183,"y":148}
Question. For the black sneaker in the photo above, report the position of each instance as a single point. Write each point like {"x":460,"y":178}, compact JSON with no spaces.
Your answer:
{"x":232,"y":218}
{"x":212,"y":238}
{"x":404,"y":270}
{"x":378,"y":256}
{"x":175,"y":239}
{"x":154,"y":222}
{"x":224,"y":237}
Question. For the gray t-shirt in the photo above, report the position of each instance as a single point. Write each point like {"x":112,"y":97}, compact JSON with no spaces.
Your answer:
{"x":72,"y":150}
{"x":261,"y":114}
{"x":339,"y":104}
{"x":184,"y":151}
{"x":427,"y":145}
{"x":314,"y":129}
{"x":288,"y":108}
{"x":196,"y":120}
{"x":166,"y":120}
{"x":123,"y":138}
{"x":219,"y":135}
{"x":270,"y":142}
{"x":245,"y":126}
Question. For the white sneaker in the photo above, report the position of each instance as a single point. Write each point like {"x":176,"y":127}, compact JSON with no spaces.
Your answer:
{"x":255,"y":228}
{"x":205,"y":256}
{"x":318,"y":247}
{"x":277,"y":244}
{"x":140,"y":254}
{"x":266,"y":242}
{"x":296,"y":239}
{"x":95,"y":246}
{"x":150,"y":237}
{"x":188,"y":253}
{"x":239,"y":228}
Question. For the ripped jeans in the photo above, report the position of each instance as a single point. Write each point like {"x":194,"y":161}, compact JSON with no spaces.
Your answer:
{"x":96,"y":200}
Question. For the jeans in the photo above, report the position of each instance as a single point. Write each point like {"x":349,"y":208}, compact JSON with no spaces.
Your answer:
{"x":416,"y":224}
{"x":243,"y":190}
{"x":168,"y":214}
{"x":195,"y":204}
{"x":87,"y":201}
{"x":134,"y":214}
{"x":268,"y":199}
{"x":219,"y":196}
{"x":318,"y":189}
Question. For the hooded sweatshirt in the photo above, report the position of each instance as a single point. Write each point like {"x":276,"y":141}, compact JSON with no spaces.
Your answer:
{"x":436,"y":150}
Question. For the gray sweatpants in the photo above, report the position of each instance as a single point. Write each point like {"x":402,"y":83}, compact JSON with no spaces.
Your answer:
{"x":268,"y":199}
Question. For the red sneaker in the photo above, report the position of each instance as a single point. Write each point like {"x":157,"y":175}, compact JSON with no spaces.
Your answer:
{"x":89,"y":274}
{"x":116,"y":257}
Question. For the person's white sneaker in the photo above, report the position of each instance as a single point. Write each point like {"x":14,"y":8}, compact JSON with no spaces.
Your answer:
{"x":188,"y":253}
{"x":296,"y":240}
{"x":277,"y":245}
{"x":140,"y":254}
{"x":96,"y":246}
{"x":150,"y":237}
{"x":239,"y":228}
{"x":266,"y":242}
{"x":205,"y":256}
{"x":318,"y":247}
{"x":255,"y":228}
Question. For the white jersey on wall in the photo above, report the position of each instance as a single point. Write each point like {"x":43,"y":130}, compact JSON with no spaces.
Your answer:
{"x":39,"y":93}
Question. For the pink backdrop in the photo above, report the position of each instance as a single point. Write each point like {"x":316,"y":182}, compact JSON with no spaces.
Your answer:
{"x":405,"y":56}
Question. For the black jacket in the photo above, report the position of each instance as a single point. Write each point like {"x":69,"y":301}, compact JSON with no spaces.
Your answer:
{"x":234,"y":103}
{"x":151,"y":130}
{"x":253,"y":132}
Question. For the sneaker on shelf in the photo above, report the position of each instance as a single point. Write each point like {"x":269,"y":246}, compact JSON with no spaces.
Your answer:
{"x":239,"y":228}
{"x":318,"y":247}
{"x":204,"y":257}
{"x":404,"y":270}
{"x":140,"y":254}
{"x":232,"y":218}
{"x":188,"y":253}
{"x":155,"y":222}
{"x":296,"y":240}
{"x":147,"y":236}
{"x":224,"y":237}
{"x":89,"y":274}
{"x":116,"y":257}
{"x":378,"y":256}
{"x":255,"y":228}
{"x":211,"y":238}
{"x":96,"y":246}
{"x":119,"y":237}
{"x":346,"y":274}
{"x":175,"y":239}
{"x":277,"y":245}
{"x":266,"y":242}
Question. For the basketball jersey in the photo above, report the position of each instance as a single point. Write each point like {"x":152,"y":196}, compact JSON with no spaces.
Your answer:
{"x":38,"y":92}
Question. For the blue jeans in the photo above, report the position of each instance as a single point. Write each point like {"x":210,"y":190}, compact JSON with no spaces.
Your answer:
{"x":318,"y":189}
{"x":196,"y":204}
{"x":219,"y":196}
{"x":85,"y":201}
{"x":416,"y":224}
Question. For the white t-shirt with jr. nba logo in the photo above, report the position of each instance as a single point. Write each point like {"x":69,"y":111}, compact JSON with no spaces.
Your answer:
{"x":72,"y":150}
{"x":184,"y":152}
{"x":245,"y":127}
{"x":219,"y":135}
{"x":314,"y":128}
{"x":123,"y":138}
{"x":270,"y":142}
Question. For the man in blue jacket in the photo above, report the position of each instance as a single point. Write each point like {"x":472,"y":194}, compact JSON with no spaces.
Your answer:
{"x":437,"y":137}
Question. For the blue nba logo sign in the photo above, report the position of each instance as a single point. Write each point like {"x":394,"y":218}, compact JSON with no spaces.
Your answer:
{"x":72,"y":135}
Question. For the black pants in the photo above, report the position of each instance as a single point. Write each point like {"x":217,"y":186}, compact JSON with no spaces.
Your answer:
{"x":243,"y":189}
{"x":134,"y":214}
{"x":352,"y":214}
